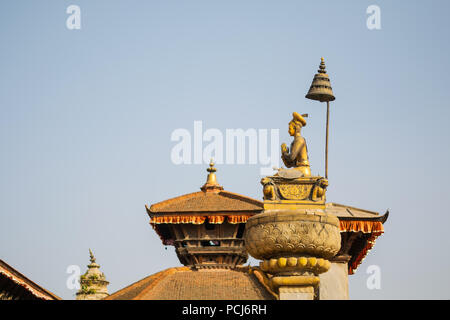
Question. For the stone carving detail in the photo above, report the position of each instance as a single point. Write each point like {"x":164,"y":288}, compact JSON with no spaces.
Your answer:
{"x":276,"y":234}
{"x":319,"y":190}
{"x":293,"y":192}
{"x":294,"y":236}
{"x":295,"y":264}
{"x":309,"y":189}
{"x":93,"y":284}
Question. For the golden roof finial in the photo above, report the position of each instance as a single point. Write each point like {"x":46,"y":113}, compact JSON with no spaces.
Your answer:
{"x":211,"y":176}
{"x":211,"y":181}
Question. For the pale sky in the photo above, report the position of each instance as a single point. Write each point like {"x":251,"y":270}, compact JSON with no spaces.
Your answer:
{"x":86,"y":118}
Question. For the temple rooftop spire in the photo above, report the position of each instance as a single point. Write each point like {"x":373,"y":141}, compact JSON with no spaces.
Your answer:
{"x":92,"y":256}
{"x":211,"y":184}
{"x":205,"y":227}
{"x":93,"y":283}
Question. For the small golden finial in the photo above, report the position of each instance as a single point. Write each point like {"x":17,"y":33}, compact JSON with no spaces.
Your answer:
{"x":211,"y":176}
{"x":211,"y":166}
{"x":211,"y":181}
{"x":322,"y":66}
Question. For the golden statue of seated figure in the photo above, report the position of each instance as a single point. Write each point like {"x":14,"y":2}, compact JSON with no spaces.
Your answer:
{"x":297,"y":156}
{"x":295,"y":183}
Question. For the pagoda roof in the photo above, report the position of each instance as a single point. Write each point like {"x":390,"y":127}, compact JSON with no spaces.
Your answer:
{"x":344,"y":212}
{"x":219,"y":201}
{"x":183,"y":283}
{"x":17,"y":284}
{"x":359,"y":230}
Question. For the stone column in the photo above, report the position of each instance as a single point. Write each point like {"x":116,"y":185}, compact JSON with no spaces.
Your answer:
{"x":295,"y":246}
{"x":334,"y":283}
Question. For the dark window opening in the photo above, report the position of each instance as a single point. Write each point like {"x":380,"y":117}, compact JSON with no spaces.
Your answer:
{"x":210,"y":243}
{"x":209,"y":226}
{"x":241,"y":229}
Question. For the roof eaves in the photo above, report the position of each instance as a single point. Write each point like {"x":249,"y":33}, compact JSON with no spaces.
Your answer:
{"x":26,"y":283}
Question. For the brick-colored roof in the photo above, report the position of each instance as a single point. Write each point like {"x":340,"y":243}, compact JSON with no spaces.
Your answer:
{"x":220,"y":201}
{"x":187,"y":284}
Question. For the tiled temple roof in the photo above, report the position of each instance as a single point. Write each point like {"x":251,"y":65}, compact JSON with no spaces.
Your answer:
{"x":359,"y":230}
{"x":221,"y":201}
{"x":183,"y":283}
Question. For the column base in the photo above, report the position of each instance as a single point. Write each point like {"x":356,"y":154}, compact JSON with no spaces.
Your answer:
{"x":295,"y":287}
{"x":296,"y":293}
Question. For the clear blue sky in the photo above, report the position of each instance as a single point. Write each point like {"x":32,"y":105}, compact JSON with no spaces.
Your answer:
{"x":86,"y":117}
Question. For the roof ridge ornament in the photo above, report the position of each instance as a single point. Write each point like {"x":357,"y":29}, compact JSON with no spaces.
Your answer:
{"x":92,"y":258}
{"x":211,"y":181}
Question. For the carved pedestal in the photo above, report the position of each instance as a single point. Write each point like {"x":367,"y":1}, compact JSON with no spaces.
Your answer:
{"x":280,"y":191}
{"x":294,"y":237}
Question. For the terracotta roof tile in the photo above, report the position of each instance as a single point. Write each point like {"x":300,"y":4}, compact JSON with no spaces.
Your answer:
{"x":186,"y":284}
{"x":134,"y":289}
{"x":221,"y":201}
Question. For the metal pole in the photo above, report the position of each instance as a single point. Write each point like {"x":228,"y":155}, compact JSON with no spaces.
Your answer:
{"x":326,"y":142}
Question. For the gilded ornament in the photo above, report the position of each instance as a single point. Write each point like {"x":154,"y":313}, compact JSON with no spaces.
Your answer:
{"x":296,"y":156}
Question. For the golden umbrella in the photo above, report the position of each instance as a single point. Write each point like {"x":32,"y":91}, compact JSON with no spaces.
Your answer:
{"x":320,"y":90}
